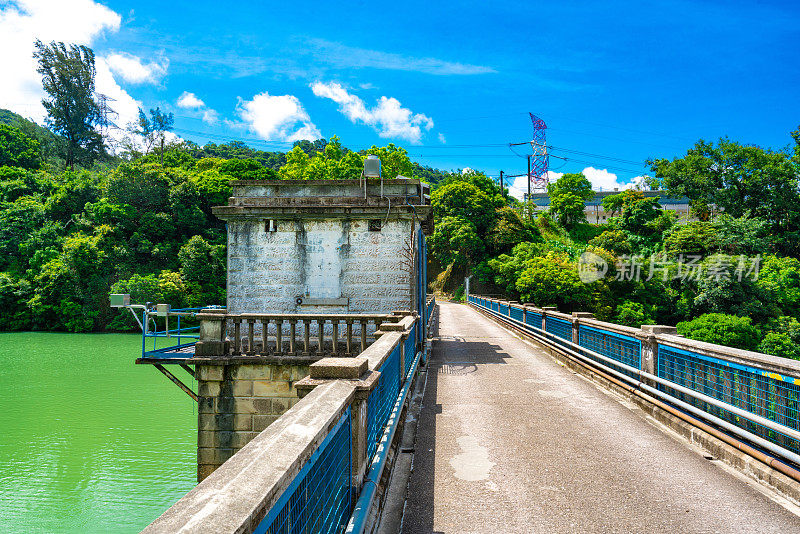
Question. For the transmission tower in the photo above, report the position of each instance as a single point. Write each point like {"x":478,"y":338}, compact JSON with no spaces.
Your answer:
{"x":106,"y":114}
{"x":538,"y":177}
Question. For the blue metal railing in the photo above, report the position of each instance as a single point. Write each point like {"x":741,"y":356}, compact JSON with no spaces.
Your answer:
{"x":759,"y":405}
{"x":410,"y":350}
{"x":382,"y":398}
{"x":765,"y":393}
{"x":175,"y":342}
{"x":533,"y":319}
{"x":319,"y":497}
{"x":559,"y":327}
{"x":614,"y":345}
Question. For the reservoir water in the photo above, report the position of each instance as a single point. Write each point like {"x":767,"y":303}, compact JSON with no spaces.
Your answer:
{"x":89,"y":441}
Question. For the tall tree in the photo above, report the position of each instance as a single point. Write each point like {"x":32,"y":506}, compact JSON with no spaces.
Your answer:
{"x":153,"y":129}
{"x":68,"y":79}
{"x":567,"y":197}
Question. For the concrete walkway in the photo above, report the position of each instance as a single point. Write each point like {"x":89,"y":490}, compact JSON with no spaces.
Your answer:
{"x":510,"y":441}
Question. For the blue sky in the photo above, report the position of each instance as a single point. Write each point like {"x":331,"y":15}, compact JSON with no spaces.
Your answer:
{"x":452,"y":82}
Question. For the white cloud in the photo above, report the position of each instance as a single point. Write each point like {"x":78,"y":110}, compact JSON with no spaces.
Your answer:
{"x":189,"y":100}
{"x":442,"y":138}
{"x":388,"y":117}
{"x":22,"y":22}
{"x":193,"y":103}
{"x":602,"y":180}
{"x":342,"y":56}
{"x":276,"y":117}
{"x":131,"y":68}
{"x":125,"y":106}
{"x":210,"y":116}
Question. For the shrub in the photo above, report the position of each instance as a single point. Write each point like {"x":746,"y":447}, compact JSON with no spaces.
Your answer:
{"x":722,"y":329}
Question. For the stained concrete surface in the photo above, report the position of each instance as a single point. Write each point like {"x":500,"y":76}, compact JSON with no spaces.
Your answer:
{"x":510,"y":441}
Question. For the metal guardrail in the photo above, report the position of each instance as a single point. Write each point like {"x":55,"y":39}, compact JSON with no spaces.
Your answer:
{"x":759,"y":405}
{"x":320,"y":495}
{"x":297,"y":509}
{"x":382,"y":398}
{"x":180,"y":340}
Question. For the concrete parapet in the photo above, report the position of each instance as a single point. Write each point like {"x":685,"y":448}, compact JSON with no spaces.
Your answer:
{"x":239,"y":494}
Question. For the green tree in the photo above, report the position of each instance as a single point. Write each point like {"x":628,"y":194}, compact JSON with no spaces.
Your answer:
{"x":394,"y":160}
{"x":17,"y":149}
{"x":467,"y":201}
{"x":779,"y":278}
{"x":779,"y":344}
{"x":737,"y":179}
{"x":696,"y":238}
{"x":246,"y":169}
{"x":553,"y":280}
{"x":456,"y":242}
{"x":615,"y":240}
{"x":153,"y":129}
{"x":68,"y":79}
{"x":722,"y":329}
{"x":632,"y":313}
{"x":568,"y":196}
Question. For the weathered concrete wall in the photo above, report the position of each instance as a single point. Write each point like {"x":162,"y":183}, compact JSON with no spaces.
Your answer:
{"x":236,"y":402}
{"x":319,"y":259}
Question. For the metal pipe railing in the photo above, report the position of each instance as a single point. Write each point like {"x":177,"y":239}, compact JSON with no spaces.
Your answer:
{"x":573,"y":349}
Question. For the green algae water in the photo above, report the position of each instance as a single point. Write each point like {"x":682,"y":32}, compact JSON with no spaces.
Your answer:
{"x":89,"y":441}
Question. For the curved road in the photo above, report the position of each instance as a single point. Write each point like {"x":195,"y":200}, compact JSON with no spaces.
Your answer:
{"x":510,"y":441}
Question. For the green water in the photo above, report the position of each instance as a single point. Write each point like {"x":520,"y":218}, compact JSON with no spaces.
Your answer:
{"x":89,"y":442}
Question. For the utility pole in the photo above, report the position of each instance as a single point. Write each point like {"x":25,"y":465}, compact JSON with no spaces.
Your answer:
{"x":502,"y":190}
{"x":529,"y":186}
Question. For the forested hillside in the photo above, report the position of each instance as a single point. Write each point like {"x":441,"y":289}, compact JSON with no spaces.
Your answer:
{"x":69,"y":237}
{"x":83,"y":215}
{"x":732,"y":277}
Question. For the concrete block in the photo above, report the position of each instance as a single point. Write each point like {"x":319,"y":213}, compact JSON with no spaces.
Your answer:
{"x":210,"y":372}
{"x":251,"y":372}
{"x":281,"y":372}
{"x":207,"y":389}
{"x":205,"y":438}
{"x":204,"y":470}
{"x":658,"y":329}
{"x":272,"y":388}
{"x":279,"y":406}
{"x":260,"y":422}
{"x":206,"y":405}
{"x":338,"y":368}
{"x":242,"y":421}
{"x":243,"y":405}
{"x":242,"y":388}
{"x":299,"y":372}
{"x":240,"y":439}
{"x":206,"y":455}
{"x":262,"y":405}
{"x":206,"y":421}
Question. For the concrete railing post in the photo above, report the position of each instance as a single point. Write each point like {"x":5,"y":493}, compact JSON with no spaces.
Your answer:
{"x":545,"y":310}
{"x":356,"y":371}
{"x":576,"y":324}
{"x":647,"y":335}
{"x":212,"y":334}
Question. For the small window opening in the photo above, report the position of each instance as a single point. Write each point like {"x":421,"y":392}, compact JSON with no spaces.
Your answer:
{"x":374,"y":225}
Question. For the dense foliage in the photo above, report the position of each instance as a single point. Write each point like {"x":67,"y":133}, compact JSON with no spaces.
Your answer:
{"x":77,"y":223}
{"x":141,"y":224}
{"x":731,"y":276}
